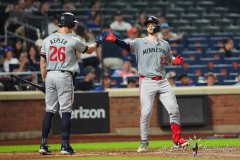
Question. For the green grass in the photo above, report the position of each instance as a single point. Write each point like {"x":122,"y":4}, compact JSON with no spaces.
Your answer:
{"x":120,"y":145}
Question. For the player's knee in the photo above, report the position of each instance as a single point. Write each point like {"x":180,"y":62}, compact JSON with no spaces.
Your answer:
{"x":145,"y":115}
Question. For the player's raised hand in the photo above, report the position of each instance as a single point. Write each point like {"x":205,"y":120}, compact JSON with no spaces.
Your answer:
{"x":102,"y":37}
{"x":111,"y":37}
{"x":178,"y":60}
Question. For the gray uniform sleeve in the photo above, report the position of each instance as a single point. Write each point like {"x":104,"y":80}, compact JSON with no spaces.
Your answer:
{"x":169,"y":52}
{"x":134,"y":46}
{"x":79,"y":46}
{"x":43,"y":49}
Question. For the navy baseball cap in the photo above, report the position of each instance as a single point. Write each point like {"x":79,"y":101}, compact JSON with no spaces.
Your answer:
{"x":118,"y":13}
{"x":127,"y":58}
{"x":8,"y":48}
{"x":89,"y":69}
{"x":164,"y":25}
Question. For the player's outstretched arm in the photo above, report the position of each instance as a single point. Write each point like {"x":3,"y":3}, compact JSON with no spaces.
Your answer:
{"x":111,"y":38}
{"x":91,"y":48}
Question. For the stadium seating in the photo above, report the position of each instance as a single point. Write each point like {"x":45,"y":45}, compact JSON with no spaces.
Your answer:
{"x":205,"y":24}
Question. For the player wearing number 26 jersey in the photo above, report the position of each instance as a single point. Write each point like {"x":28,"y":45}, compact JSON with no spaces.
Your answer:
{"x":60,"y":50}
{"x":58,"y":64}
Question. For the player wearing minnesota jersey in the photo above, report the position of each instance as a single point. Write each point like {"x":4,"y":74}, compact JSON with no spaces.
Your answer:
{"x":152,"y":54}
{"x":58,"y":64}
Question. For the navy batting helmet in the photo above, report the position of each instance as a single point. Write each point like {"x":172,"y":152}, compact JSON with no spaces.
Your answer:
{"x":67,"y":19}
{"x":151,"y":19}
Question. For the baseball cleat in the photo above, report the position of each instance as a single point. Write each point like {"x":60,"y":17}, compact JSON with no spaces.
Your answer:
{"x":44,"y":149}
{"x":67,"y":149}
{"x":182,"y":143}
{"x":143,"y":147}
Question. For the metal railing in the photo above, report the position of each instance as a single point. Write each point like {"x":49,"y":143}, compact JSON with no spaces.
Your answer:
{"x":15,"y":21}
{"x":17,"y":85}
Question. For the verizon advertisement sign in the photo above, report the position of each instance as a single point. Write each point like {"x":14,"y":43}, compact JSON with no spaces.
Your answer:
{"x":90,"y":114}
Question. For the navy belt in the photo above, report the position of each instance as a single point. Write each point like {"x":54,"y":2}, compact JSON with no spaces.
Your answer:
{"x":63,"y":71}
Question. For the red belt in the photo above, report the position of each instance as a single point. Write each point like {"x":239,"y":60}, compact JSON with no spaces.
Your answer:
{"x":157,"y":78}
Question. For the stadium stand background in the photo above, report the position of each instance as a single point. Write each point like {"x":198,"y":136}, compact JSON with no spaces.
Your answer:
{"x":206,"y":23}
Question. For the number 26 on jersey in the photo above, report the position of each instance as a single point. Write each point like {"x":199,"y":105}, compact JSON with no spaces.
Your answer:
{"x":57,"y":54}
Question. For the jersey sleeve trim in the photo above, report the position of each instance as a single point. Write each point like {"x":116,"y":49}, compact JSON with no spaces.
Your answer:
{"x":43,"y":55}
{"x":85,"y":49}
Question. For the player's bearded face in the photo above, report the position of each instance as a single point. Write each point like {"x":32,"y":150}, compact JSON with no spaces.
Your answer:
{"x":150,"y":27}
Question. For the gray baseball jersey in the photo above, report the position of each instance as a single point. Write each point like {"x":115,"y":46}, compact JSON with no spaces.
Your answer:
{"x":60,"y":51}
{"x":151,"y":56}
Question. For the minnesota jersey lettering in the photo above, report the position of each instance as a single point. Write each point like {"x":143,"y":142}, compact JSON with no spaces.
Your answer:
{"x":154,"y":50}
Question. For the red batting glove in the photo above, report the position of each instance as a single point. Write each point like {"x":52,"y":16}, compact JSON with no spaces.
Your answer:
{"x":178,"y":60}
{"x":111,"y":36}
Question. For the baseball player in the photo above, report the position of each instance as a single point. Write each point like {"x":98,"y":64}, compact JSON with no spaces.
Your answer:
{"x":152,"y":53}
{"x":57,"y":63}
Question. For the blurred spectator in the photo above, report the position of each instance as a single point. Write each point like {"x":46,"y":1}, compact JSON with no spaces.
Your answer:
{"x":228,"y":47}
{"x":43,"y":8}
{"x":171,"y":77}
{"x":131,"y":83}
{"x":166,"y":34}
{"x":161,"y":18}
{"x":18,"y":11}
{"x":238,"y":79}
{"x":30,"y":7}
{"x":87,"y":83}
{"x":111,"y":53}
{"x":127,"y":69}
{"x":18,"y":48}
{"x":33,"y":58}
{"x":211,"y":79}
{"x":141,"y":20}
{"x":53,"y":25}
{"x":38,"y":44}
{"x":106,"y":81}
{"x":88,"y":38}
{"x":56,"y":4}
{"x":9,"y":59}
{"x":23,"y":63}
{"x":184,"y":80}
{"x":25,"y":67}
{"x":95,"y":23}
{"x":94,"y":6}
{"x":68,"y":5}
{"x":133,"y":33}
{"x":119,"y":24}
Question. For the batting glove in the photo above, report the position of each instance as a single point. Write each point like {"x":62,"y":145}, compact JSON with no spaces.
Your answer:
{"x":178,"y":60}
{"x":111,"y":37}
{"x":102,"y":37}
{"x":43,"y":87}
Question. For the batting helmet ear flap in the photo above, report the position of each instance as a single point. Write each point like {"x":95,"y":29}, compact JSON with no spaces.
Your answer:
{"x":151,"y":19}
{"x":156,"y":29}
